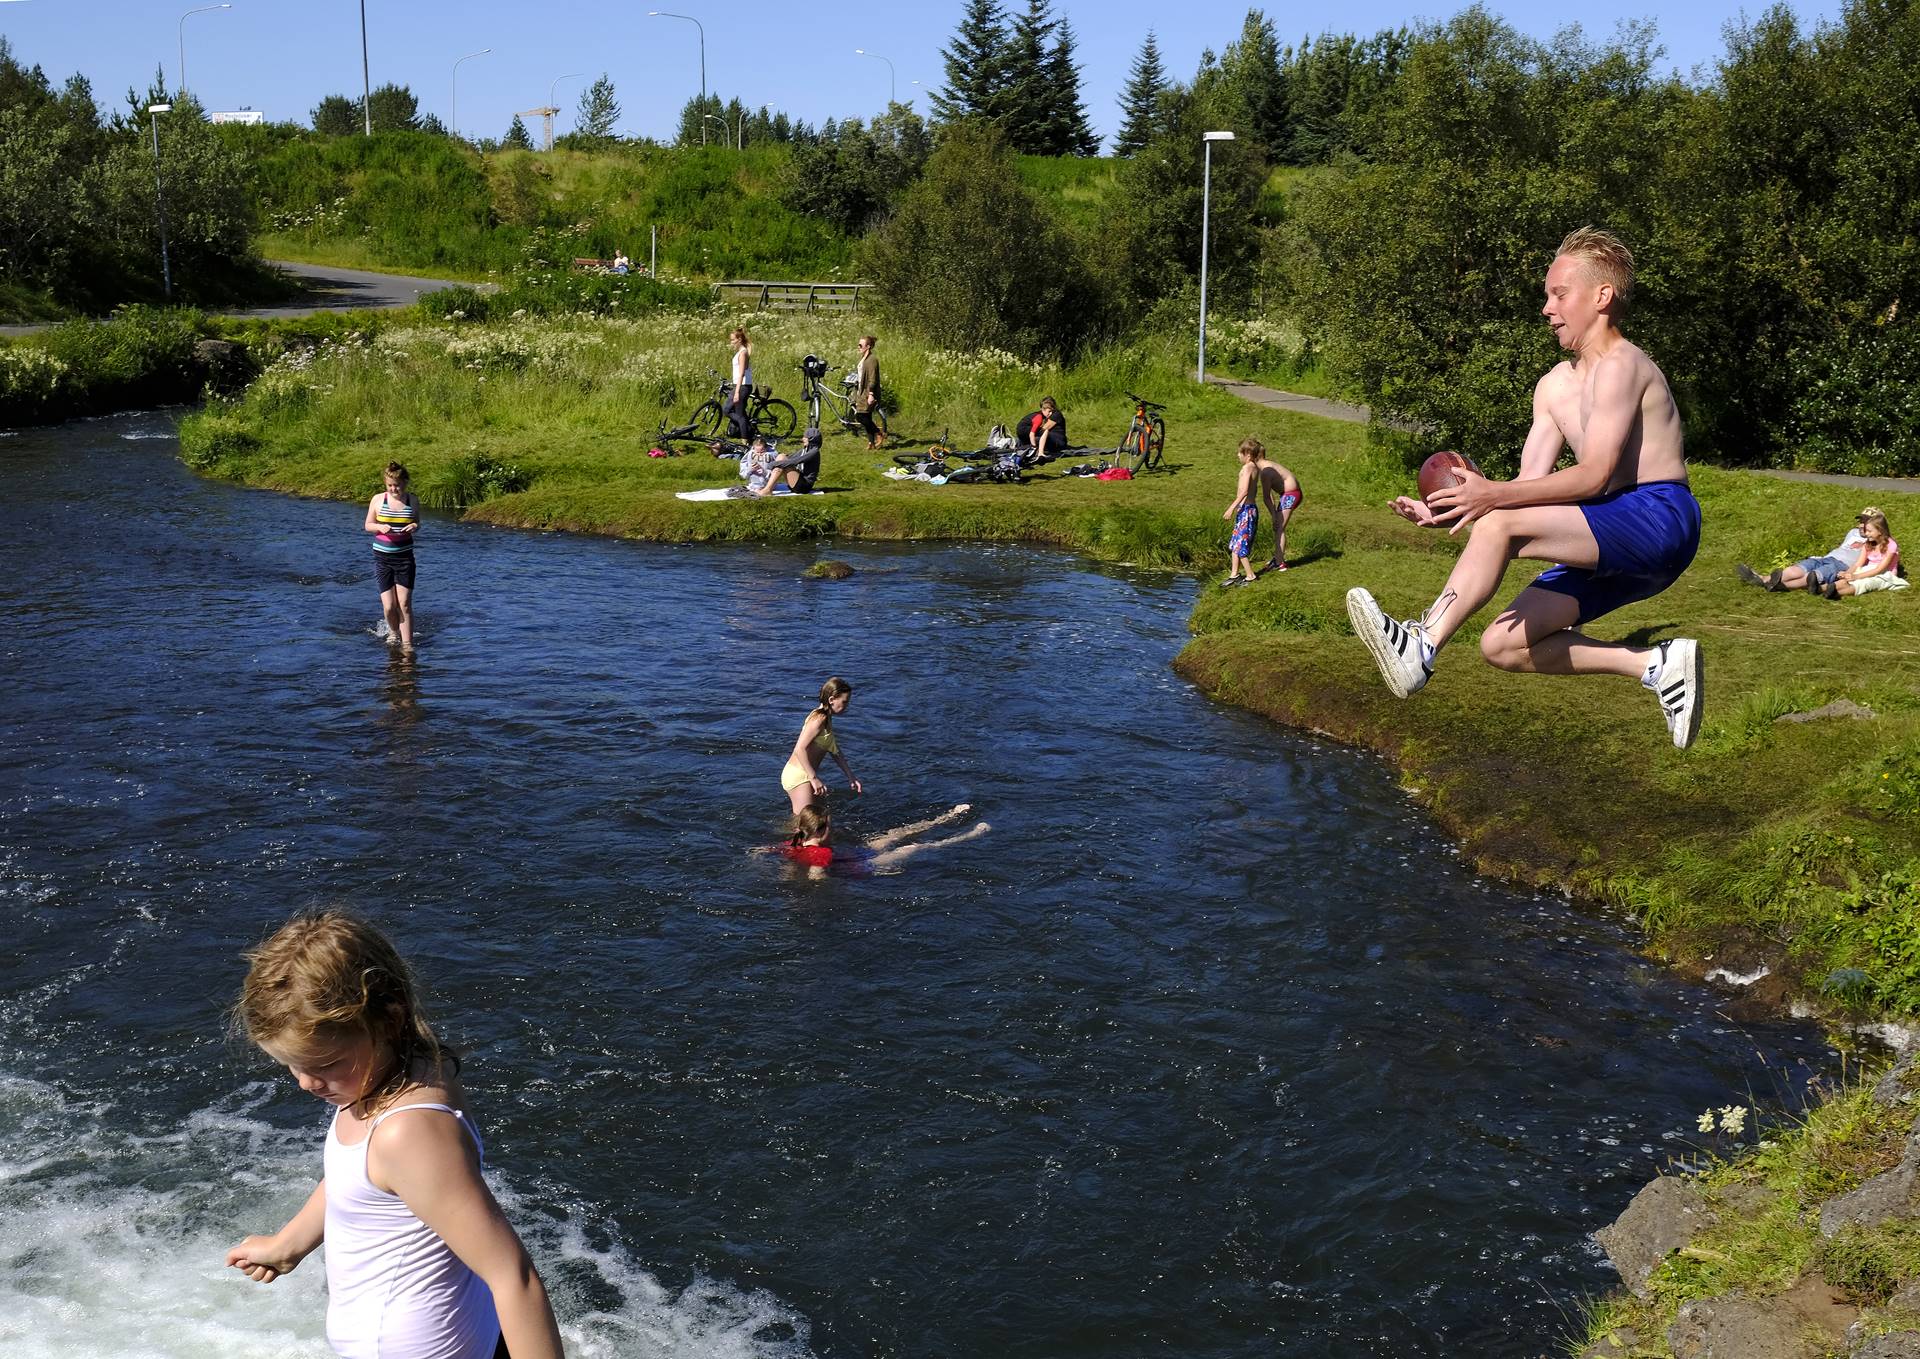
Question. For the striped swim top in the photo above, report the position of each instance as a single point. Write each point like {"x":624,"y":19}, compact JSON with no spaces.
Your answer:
{"x":395,"y":513}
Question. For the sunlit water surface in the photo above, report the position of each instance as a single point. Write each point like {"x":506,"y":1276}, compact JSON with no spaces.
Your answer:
{"x":1209,"y":1048}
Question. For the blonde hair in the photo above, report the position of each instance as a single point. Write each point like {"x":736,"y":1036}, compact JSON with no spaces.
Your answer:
{"x":1605,"y":256}
{"x":327,"y":976}
{"x":829,"y":691}
{"x":810,"y":822}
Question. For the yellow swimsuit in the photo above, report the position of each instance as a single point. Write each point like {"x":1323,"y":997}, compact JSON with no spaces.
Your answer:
{"x":822,"y":745}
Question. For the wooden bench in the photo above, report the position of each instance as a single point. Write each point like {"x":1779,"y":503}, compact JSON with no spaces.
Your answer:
{"x":771,"y":295}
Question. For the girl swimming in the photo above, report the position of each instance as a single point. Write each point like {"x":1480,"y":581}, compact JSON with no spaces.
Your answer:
{"x":801,"y":777}
{"x":420,"y":1259}
{"x":393,"y":518}
{"x":812,"y":830}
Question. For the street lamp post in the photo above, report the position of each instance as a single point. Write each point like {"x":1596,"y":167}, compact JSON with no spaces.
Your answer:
{"x":183,"y":39}
{"x":1206,"y":195}
{"x":456,"y":88}
{"x":893,"y":94}
{"x":159,"y":200}
{"x":366,"y":79}
{"x":664,"y":14}
{"x":552,"y":108}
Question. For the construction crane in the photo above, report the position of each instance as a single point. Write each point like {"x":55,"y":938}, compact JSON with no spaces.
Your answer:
{"x":546,"y":124}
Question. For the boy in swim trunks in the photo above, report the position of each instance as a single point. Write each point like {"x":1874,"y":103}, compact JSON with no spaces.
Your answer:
{"x":1621,"y":523}
{"x":1281,"y":491}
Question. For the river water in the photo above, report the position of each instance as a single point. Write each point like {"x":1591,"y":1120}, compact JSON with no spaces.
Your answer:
{"x":1210,"y":1047}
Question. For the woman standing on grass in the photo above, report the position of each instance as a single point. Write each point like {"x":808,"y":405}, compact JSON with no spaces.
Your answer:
{"x":801,"y":777}
{"x":742,"y":383}
{"x":393,"y":518}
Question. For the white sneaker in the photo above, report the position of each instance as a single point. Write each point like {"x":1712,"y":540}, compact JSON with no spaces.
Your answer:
{"x":1395,"y":646}
{"x":1677,"y":684}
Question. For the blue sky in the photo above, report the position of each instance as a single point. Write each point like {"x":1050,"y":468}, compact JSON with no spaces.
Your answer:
{"x":281,"y":56}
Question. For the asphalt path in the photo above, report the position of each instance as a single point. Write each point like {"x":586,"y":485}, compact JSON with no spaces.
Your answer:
{"x":325,"y":288}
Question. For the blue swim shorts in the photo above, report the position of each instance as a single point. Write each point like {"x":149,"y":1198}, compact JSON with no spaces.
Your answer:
{"x":1647,"y":536}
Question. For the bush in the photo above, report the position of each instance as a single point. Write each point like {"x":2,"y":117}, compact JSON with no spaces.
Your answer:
{"x":972,"y":260}
{"x":1857,"y":407}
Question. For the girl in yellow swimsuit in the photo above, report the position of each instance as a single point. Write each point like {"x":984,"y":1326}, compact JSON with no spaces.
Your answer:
{"x":801,"y":777}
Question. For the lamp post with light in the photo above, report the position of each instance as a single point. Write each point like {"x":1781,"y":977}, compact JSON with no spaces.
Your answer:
{"x":159,"y":200}
{"x":456,"y":88}
{"x":666,"y":14}
{"x":1206,"y":196}
{"x":183,"y":39}
{"x":893,"y":94}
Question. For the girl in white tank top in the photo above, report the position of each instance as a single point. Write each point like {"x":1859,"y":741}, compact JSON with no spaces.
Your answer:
{"x":421,"y":1262}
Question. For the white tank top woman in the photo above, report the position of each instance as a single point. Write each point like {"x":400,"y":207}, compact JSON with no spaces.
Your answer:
{"x":394,"y":1289}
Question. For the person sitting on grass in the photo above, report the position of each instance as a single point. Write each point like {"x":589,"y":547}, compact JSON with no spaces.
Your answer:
{"x":1814,"y":573}
{"x":1879,"y":565}
{"x":795,"y":475}
{"x":812,"y":829}
{"x":1041,"y":435}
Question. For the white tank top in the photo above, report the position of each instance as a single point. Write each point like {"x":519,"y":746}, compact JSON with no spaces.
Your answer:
{"x":394,"y":1289}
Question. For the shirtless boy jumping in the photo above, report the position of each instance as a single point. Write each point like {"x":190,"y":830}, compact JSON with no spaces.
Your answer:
{"x":1620,"y":523}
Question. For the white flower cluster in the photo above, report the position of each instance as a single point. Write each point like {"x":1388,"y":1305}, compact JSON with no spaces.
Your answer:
{"x":29,"y":373}
{"x":1729,"y":1118}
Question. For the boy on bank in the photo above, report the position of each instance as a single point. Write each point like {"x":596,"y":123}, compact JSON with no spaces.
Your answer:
{"x":1621,"y":523}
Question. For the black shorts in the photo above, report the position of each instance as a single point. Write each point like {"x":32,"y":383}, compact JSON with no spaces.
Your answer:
{"x":393,"y":568}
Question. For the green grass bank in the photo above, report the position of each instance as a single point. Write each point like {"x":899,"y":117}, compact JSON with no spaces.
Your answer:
{"x":1793,"y":844}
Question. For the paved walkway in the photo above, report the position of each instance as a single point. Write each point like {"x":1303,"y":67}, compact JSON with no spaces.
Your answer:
{"x":1339,"y":410}
{"x":324,"y":288}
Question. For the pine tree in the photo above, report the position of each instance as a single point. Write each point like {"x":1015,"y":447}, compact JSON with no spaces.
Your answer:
{"x":1140,"y":115}
{"x":394,"y":109}
{"x":975,"y":61}
{"x":517,"y":138}
{"x":1255,"y":85}
{"x":1069,"y":133}
{"x":598,"y":109}
{"x":1026,"y":103}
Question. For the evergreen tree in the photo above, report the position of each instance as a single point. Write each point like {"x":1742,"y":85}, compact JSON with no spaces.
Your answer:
{"x":1026,"y":104}
{"x":1140,"y":113}
{"x":394,"y":109}
{"x":1254,"y":86}
{"x":337,"y":116}
{"x":598,"y":110}
{"x":517,"y":138}
{"x":1068,"y":132}
{"x":975,"y":61}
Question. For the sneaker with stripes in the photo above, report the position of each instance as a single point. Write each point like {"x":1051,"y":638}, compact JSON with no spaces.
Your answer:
{"x":1398,"y":648}
{"x":1676,"y":681}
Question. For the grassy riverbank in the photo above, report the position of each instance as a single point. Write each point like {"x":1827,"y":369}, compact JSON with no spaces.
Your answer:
{"x":1789,"y":844}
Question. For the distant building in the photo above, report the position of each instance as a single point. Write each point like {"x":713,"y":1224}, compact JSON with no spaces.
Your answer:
{"x":238,"y":116}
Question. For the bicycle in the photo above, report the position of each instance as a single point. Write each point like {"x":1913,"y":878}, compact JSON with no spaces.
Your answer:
{"x":818,"y":399}
{"x":767,"y":415}
{"x":1145,"y":438}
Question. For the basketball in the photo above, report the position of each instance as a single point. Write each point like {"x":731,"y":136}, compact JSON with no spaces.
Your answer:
{"x":1442,"y":470}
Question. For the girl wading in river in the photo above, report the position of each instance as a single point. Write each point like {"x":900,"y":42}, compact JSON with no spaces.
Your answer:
{"x":420,"y":1259}
{"x":393,"y":518}
{"x":801,"y":777}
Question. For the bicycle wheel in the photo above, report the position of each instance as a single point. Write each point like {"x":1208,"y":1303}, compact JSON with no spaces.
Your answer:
{"x":1154,"y":441}
{"x":708,"y":420}
{"x":775,"y":418}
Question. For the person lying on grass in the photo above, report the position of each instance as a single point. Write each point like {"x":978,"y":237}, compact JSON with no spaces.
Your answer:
{"x":1620,"y":524}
